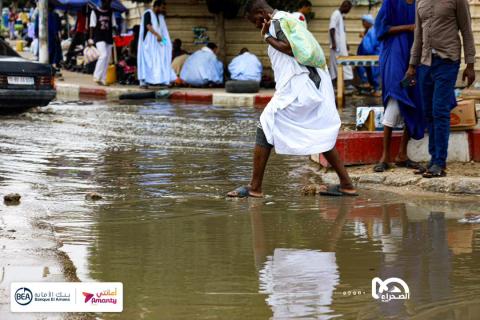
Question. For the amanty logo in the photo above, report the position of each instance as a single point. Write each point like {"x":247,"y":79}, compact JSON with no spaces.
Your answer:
{"x":23,"y":296}
{"x":103,"y":297}
{"x":87,"y":296}
{"x":390,"y":289}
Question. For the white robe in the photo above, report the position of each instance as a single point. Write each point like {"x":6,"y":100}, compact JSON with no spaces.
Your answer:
{"x":201,"y":68}
{"x":300,"y":119}
{"x":246,"y":67}
{"x":337,"y":23}
{"x":155,"y":58}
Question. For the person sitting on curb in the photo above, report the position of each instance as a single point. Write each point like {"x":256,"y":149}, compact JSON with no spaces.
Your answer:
{"x":245,"y":67}
{"x":202,"y":68}
{"x":301,"y":118}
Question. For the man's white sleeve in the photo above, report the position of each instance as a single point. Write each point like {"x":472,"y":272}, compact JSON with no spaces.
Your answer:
{"x":334,"y":19}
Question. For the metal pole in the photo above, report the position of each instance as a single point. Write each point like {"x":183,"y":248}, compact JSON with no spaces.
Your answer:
{"x":1,"y":12}
{"x":42,"y":31}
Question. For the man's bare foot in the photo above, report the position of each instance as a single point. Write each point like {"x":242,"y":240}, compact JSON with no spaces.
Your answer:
{"x":338,"y":190}
{"x":244,"y":192}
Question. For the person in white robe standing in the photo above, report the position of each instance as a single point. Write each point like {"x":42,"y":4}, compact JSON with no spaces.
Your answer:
{"x":246,"y":67}
{"x":338,"y":40}
{"x":154,"y":62}
{"x":301,"y":118}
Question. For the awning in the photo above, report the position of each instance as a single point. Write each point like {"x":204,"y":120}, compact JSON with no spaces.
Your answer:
{"x":74,"y":5}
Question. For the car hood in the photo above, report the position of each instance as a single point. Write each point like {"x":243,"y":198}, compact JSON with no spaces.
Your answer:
{"x":24,"y":67}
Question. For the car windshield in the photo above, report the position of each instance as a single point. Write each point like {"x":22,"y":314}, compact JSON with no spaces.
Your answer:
{"x":5,"y":50}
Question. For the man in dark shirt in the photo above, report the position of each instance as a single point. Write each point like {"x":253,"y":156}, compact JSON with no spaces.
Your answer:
{"x":437,"y":48}
{"x":102,"y":24}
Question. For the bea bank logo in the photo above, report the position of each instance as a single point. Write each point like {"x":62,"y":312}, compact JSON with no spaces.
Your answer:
{"x":23,"y":296}
{"x":390,"y":289}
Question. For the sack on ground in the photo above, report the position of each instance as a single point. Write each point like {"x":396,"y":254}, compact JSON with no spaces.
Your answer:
{"x":90,"y":54}
{"x":305,"y":47}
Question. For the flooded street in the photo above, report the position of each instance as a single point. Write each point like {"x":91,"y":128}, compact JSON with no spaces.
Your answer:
{"x":183,"y":251}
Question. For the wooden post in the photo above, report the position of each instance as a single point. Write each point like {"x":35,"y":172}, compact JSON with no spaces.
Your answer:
{"x":220,"y":30}
{"x":42,"y":31}
{"x":340,"y":87}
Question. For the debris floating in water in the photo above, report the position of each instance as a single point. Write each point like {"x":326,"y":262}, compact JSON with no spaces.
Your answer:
{"x":470,"y":218}
{"x":12,"y":198}
{"x":312,"y":189}
{"x":93,"y":196}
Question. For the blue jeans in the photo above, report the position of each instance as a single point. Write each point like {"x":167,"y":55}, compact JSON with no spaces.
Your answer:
{"x":370,"y":75}
{"x":437,"y":87}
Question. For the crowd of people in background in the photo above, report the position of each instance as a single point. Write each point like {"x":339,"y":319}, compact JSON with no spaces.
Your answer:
{"x":152,"y":58}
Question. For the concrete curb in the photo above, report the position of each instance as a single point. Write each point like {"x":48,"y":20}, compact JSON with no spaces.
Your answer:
{"x":68,"y":90}
{"x":405,"y":178}
{"x":360,"y":148}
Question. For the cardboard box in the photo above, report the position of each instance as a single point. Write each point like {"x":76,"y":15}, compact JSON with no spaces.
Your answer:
{"x":372,"y":122}
{"x":464,"y":116}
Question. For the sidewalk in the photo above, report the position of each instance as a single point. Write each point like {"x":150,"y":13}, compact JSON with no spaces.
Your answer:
{"x":463,"y":179}
{"x":74,"y":84}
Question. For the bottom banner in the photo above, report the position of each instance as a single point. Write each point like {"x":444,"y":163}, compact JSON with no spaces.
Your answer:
{"x":66,"y":297}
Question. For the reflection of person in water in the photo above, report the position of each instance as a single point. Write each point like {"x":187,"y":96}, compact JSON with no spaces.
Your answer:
{"x":299,"y":282}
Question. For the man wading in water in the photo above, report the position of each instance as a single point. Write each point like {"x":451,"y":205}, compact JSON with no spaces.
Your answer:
{"x":301,"y":118}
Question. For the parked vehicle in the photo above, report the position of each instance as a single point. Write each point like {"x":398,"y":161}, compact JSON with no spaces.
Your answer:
{"x":23,"y":83}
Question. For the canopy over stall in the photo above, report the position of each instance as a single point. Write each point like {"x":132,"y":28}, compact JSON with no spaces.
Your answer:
{"x":74,"y":5}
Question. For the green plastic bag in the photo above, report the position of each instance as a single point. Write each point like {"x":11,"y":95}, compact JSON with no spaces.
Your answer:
{"x":305,"y":47}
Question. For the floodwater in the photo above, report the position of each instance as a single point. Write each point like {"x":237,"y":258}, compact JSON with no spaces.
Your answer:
{"x":183,"y":251}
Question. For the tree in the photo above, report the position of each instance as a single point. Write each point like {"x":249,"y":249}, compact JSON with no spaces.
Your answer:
{"x":229,"y":9}
{"x":223,"y":9}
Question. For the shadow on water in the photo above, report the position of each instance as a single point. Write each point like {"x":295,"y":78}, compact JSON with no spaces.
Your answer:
{"x":183,"y":251}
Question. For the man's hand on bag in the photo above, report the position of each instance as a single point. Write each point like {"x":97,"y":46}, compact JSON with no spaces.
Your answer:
{"x":469,"y":74}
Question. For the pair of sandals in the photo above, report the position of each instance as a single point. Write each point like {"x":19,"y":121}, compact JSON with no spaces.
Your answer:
{"x":331,"y":191}
{"x":383,"y":166}
{"x":434,"y":171}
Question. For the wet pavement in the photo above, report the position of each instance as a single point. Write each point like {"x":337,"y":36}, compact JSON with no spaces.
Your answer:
{"x":183,"y":251}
